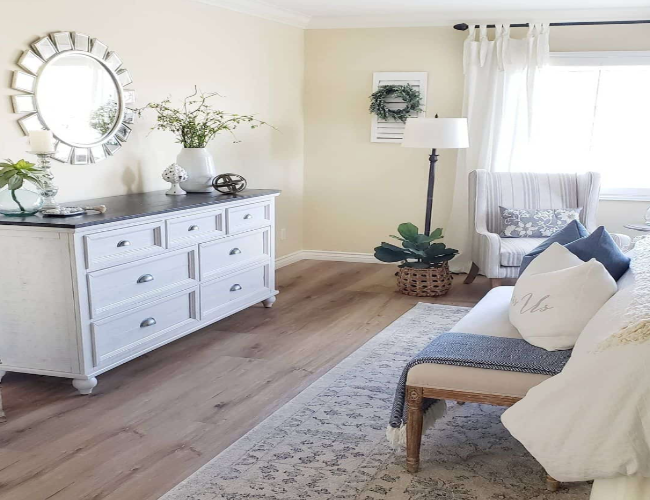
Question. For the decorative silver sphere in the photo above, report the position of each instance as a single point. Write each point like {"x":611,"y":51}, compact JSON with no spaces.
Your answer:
{"x":175,"y":174}
{"x":229,"y":183}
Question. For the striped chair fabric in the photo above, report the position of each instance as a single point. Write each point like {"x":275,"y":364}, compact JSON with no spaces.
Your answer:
{"x":498,"y":257}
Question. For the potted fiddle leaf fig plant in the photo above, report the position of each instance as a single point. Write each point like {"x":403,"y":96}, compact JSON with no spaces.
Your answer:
{"x":424,"y":264}
{"x":16,"y":200}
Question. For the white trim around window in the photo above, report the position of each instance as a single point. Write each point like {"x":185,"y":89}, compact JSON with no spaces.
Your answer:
{"x":597,"y":59}
{"x":625,"y":194}
{"x":592,"y":60}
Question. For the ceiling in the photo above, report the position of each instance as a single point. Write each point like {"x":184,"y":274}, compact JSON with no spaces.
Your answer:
{"x":385,"y":13}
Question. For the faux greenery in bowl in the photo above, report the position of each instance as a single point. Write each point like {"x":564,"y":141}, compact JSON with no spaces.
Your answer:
{"x":16,"y":200}
{"x":417,"y":251}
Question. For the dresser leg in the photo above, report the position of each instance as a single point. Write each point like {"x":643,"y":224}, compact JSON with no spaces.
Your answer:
{"x":84,"y":386}
{"x":3,"y":418}
{"x":269,"y":302}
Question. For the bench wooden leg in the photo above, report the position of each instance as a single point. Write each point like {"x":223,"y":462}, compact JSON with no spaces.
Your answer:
{"x":471,"y":276}
{"x":413,"y":428}
{"x":552,"y":484}
{"x":3,"y":418}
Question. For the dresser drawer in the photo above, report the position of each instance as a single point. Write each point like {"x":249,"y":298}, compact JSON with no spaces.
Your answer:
{"x":118,"y":246}
{"x":226,"y":255}
{"x":223,"y":295}
{"x":182,"y":231}
{"x":246,"y":217}
{"x":129,"y":333}
{"x":121,"y":287}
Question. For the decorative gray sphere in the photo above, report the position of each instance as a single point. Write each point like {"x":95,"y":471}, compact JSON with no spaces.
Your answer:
{"x":174,"y":174}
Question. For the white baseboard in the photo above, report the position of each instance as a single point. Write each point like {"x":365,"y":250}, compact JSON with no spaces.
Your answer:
{"x":326,"y":255}
{"x":290,"y":258}
{"x":339,"y":256}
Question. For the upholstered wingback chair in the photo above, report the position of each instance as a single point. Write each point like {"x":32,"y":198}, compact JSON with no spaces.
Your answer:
{"x":497,"y":257}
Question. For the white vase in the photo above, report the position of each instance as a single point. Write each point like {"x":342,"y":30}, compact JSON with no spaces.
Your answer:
{"x":199,"y":165}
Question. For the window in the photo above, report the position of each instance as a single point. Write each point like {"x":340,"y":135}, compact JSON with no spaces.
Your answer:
{"x":592,"y":112}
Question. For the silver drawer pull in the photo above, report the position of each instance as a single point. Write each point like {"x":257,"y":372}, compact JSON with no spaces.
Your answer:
{"x":145,"y":278}
{"x":235,"y":288}
{"x":193,"y":228}
{"x":124,"y":243}
{"x":235,"y":251}
{"x":148,"y":322}
{"x":248,"y":216}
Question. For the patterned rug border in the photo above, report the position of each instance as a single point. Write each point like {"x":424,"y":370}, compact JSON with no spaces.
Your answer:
{"x":239,"y":447}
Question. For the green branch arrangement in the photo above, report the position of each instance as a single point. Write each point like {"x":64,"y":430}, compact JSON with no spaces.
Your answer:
{"x":417,"y":251}
{"x":196,"y":123}
{"x":13,"y":175}
{"x":411,"y":97}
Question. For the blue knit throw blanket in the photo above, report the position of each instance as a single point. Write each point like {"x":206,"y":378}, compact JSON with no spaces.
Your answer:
{"x":478,"y":351}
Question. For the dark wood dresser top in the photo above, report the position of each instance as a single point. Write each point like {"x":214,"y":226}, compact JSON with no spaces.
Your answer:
{"x":132,"y":206}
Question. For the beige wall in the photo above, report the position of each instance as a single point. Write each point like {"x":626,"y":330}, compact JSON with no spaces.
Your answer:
{"x":168,"y":46}
{"x":356,"y":192}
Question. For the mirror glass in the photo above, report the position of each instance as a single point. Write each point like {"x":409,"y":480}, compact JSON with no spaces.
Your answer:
{"x":78,"y":99}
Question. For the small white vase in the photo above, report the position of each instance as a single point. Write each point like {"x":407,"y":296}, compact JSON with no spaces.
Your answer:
{"x":199,"y":165}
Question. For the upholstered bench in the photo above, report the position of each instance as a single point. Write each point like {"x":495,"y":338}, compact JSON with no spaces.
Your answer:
{"x":464,"y":384}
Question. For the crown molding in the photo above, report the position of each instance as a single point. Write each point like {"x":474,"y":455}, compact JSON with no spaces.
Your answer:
{"x":261,"y":9}
{"x":486,"y":17}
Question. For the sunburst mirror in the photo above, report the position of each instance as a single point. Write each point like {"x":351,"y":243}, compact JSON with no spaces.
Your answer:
{"x":75,"y":87}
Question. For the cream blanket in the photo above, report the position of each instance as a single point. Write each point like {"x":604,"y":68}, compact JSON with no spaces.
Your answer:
{"x":637,"y":315}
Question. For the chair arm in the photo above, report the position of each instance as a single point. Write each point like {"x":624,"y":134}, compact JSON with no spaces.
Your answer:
{"x":486,"y":253}
{"x":622,"y":240}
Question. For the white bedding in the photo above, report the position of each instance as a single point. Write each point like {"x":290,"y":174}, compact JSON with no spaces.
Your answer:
{"x":592,"y":421}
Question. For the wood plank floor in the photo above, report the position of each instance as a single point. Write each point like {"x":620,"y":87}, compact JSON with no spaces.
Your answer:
{"x":152,"y":422}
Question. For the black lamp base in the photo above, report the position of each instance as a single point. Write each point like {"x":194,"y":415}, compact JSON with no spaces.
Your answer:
{"x":433,"y":158}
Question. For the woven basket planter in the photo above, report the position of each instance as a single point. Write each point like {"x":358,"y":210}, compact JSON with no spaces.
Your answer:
{"x":430,"y":282}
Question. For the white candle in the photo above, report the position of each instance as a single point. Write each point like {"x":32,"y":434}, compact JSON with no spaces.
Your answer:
{"x":41,"y":141}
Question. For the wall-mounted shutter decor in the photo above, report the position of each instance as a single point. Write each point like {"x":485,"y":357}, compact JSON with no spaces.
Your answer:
{"x":393,"y":130}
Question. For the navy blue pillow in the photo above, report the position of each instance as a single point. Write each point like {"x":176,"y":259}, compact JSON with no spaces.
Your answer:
{"x":571,"y":232}
{"x":599,"y":245}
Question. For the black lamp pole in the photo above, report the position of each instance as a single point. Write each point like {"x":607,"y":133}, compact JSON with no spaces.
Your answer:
{"x":432,"y":178}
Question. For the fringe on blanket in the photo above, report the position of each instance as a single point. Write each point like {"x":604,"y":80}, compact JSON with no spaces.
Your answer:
{"x":637,"y":315}
{"x":397,"y":435}
{"x":632,"y":334}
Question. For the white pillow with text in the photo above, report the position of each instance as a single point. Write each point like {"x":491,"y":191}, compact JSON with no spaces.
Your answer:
{"x":551,"y":309}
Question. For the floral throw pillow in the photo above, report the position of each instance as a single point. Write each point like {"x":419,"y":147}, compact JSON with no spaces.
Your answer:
{"x":525,"y":223}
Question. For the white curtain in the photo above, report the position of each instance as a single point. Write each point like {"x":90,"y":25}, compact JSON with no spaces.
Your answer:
{"x":500,"y":77}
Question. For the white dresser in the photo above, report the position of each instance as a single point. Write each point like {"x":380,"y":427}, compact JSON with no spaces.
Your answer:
{"x":83,"y":295}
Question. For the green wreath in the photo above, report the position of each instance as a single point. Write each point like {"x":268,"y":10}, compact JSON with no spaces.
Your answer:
{"x":411,"y":97}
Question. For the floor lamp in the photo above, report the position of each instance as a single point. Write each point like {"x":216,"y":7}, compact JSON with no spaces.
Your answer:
{"x":435,"y":133}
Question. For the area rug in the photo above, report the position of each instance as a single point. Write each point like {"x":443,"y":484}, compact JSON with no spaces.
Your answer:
{"x":329,"y":442}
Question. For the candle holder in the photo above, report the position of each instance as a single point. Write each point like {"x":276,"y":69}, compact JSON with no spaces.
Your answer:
{"x":49,"y":190}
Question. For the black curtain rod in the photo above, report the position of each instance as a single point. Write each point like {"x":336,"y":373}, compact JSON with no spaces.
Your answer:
{"x":465,"y":27}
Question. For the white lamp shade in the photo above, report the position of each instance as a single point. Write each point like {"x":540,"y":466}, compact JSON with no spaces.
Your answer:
{"x":438,"y":133}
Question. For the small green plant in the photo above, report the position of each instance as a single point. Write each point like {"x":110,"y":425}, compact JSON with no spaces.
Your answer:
{"x":13,"y":175}
{"x":196,"y":123}
{"x":417,"y":251}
